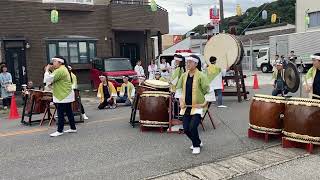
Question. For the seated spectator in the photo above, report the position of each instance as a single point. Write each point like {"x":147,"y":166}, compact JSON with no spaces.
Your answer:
{"x":127,"y":92}
{"x":107,"y":93}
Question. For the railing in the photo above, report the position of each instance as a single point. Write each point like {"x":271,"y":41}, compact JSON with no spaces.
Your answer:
{"x":247,"y":64}
{"x":135,"y":2}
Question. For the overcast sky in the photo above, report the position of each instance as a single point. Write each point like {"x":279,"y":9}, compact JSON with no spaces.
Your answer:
{"x":181,"y":23}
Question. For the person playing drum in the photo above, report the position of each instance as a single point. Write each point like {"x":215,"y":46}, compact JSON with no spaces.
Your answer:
{"x":127,"y":92}
{"x":75,"y":87}
{"x":279,"y":85}
{"x":193,"y":91}
{"x":107,"y":93}
{"x":179,"y":70}
{"x":215,"y":75}
{"x":63,"y":94}
{"x":159,"y":77}
{"x":312,"y":78}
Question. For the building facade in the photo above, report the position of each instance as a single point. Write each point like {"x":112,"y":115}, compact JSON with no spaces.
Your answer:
{"x":307,"y":8}
{"x":86,"y":29}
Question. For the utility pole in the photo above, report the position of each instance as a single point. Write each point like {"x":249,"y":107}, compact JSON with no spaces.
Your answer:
{"x":221,"y":15}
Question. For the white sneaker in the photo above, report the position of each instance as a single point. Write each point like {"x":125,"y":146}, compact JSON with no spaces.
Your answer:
{"x":55,"y":134}
{"x":5,"y":107}
{"x":71,"y":131}
{"x":196,"y":150}
{"x":222,"y":106}
{"x":201,"y":145}
{"x":85,"y":117}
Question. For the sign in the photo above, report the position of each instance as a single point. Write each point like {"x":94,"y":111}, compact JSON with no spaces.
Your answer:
{"x":215,"y":13}
{"x":90,"y":2}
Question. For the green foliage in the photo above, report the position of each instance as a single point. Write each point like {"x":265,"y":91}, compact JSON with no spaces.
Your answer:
{"x":285,"y":10}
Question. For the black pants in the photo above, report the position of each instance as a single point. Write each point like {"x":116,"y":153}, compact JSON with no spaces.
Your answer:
{"x":105,"y":103}
{"x":82,"y":109}
{"x":190,"y":127}
{"x":65,"y":108}
{"x":6,"y":101}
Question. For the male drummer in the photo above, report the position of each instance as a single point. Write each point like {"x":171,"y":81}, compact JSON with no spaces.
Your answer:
{"x":280,"y":86}
{"x":127,"y":92}
{"x":107,"y":93}
{"x":192,"y":91}
{"x":312,"y":83}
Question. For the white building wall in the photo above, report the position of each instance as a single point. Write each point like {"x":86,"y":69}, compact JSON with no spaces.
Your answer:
{"x":303,"y":6}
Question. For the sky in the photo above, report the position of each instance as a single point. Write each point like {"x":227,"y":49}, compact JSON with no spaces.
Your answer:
{"x":180,"y":22}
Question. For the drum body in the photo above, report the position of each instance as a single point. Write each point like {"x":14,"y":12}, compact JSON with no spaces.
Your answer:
{"x":75,"y":105}
{"x":153,"y":108}
{"x":302,"y":120}
{"x":228,"y":49}
{"x":266,"y":114}
{"x":36,"y":97}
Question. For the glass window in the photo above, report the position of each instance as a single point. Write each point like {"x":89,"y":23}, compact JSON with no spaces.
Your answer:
{"x":63,"y":49}
{"x":262,"y":53}
{"x":92,"y":50}
{"x":117,"y":64}
{"x":314,"y":19}
{"x":52,"y":51}
{"x":83,"y":52}
{"x":74,"y":56}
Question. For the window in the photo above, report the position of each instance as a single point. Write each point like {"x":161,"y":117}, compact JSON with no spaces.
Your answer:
{"x":63,"y":49}
{"x":75,"y":52}
{"x":69,"y":1}
{"x":314,"y":19}
{"x":117,"y":64}
{"x":83,"y":52}
{"x":52,"y":50}
{"x":262,"y":53}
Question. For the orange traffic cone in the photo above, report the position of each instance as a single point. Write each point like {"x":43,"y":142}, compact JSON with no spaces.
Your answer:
{"x":222,"y":85}
{"x":13,"y":109}
{"x":255,"y":82}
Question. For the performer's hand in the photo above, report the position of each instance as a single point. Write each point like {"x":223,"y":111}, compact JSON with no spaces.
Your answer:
{"x":182,"y":104}
{"x":48,"y":67}
{"x":108,"y":99}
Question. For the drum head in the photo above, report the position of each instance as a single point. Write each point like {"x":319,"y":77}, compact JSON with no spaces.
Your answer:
{"x":292,"y":77}
{"x":157,"y":84}
{"x":226,"y":48}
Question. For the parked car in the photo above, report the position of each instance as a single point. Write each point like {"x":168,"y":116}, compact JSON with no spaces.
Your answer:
{"x":115,"y":68}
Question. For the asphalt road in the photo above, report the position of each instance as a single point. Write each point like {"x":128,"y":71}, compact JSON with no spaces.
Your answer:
{"x":106,"y":147}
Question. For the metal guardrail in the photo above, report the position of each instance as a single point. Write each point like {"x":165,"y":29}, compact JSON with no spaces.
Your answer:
{"x":135,"y":2}
{"x":247,"y":64}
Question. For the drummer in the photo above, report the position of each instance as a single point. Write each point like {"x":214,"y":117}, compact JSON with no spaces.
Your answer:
{"x":159,"y":77}
{"x":312,"y":78}
{"x":178,"y":71}
{"x":280,"y":86}
{"x":75,"y":87}
{"x":127,"y":92}
{"x":63,"y":94}
{"x":107,"y":93}
{"x":192,"y":91}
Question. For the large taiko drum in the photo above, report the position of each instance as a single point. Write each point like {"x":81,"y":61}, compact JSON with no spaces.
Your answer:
{"x":266,"y":113}
{"x":153,"y":109}
{"x":75,"y":105}
{"x":153,"y":85}
{"x":36,"y":98}
{"x":228,"y":50}
{"x":302,"y":120}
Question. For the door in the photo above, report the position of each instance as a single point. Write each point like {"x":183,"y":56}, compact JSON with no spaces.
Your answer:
{"x":16,"y":62}
{"x":131,"y":51}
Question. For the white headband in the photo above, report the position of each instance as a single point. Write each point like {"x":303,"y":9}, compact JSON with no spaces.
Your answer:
{"x":58,"y":59}
{"x":189,"y":58}
{"x":315,"y":57}
{"x":177,"y":59}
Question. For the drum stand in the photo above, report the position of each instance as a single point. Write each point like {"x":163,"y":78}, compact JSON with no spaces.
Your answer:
{"x":240,"y":84}
{"x":31,"y":113}
{"x":134,"y":108}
